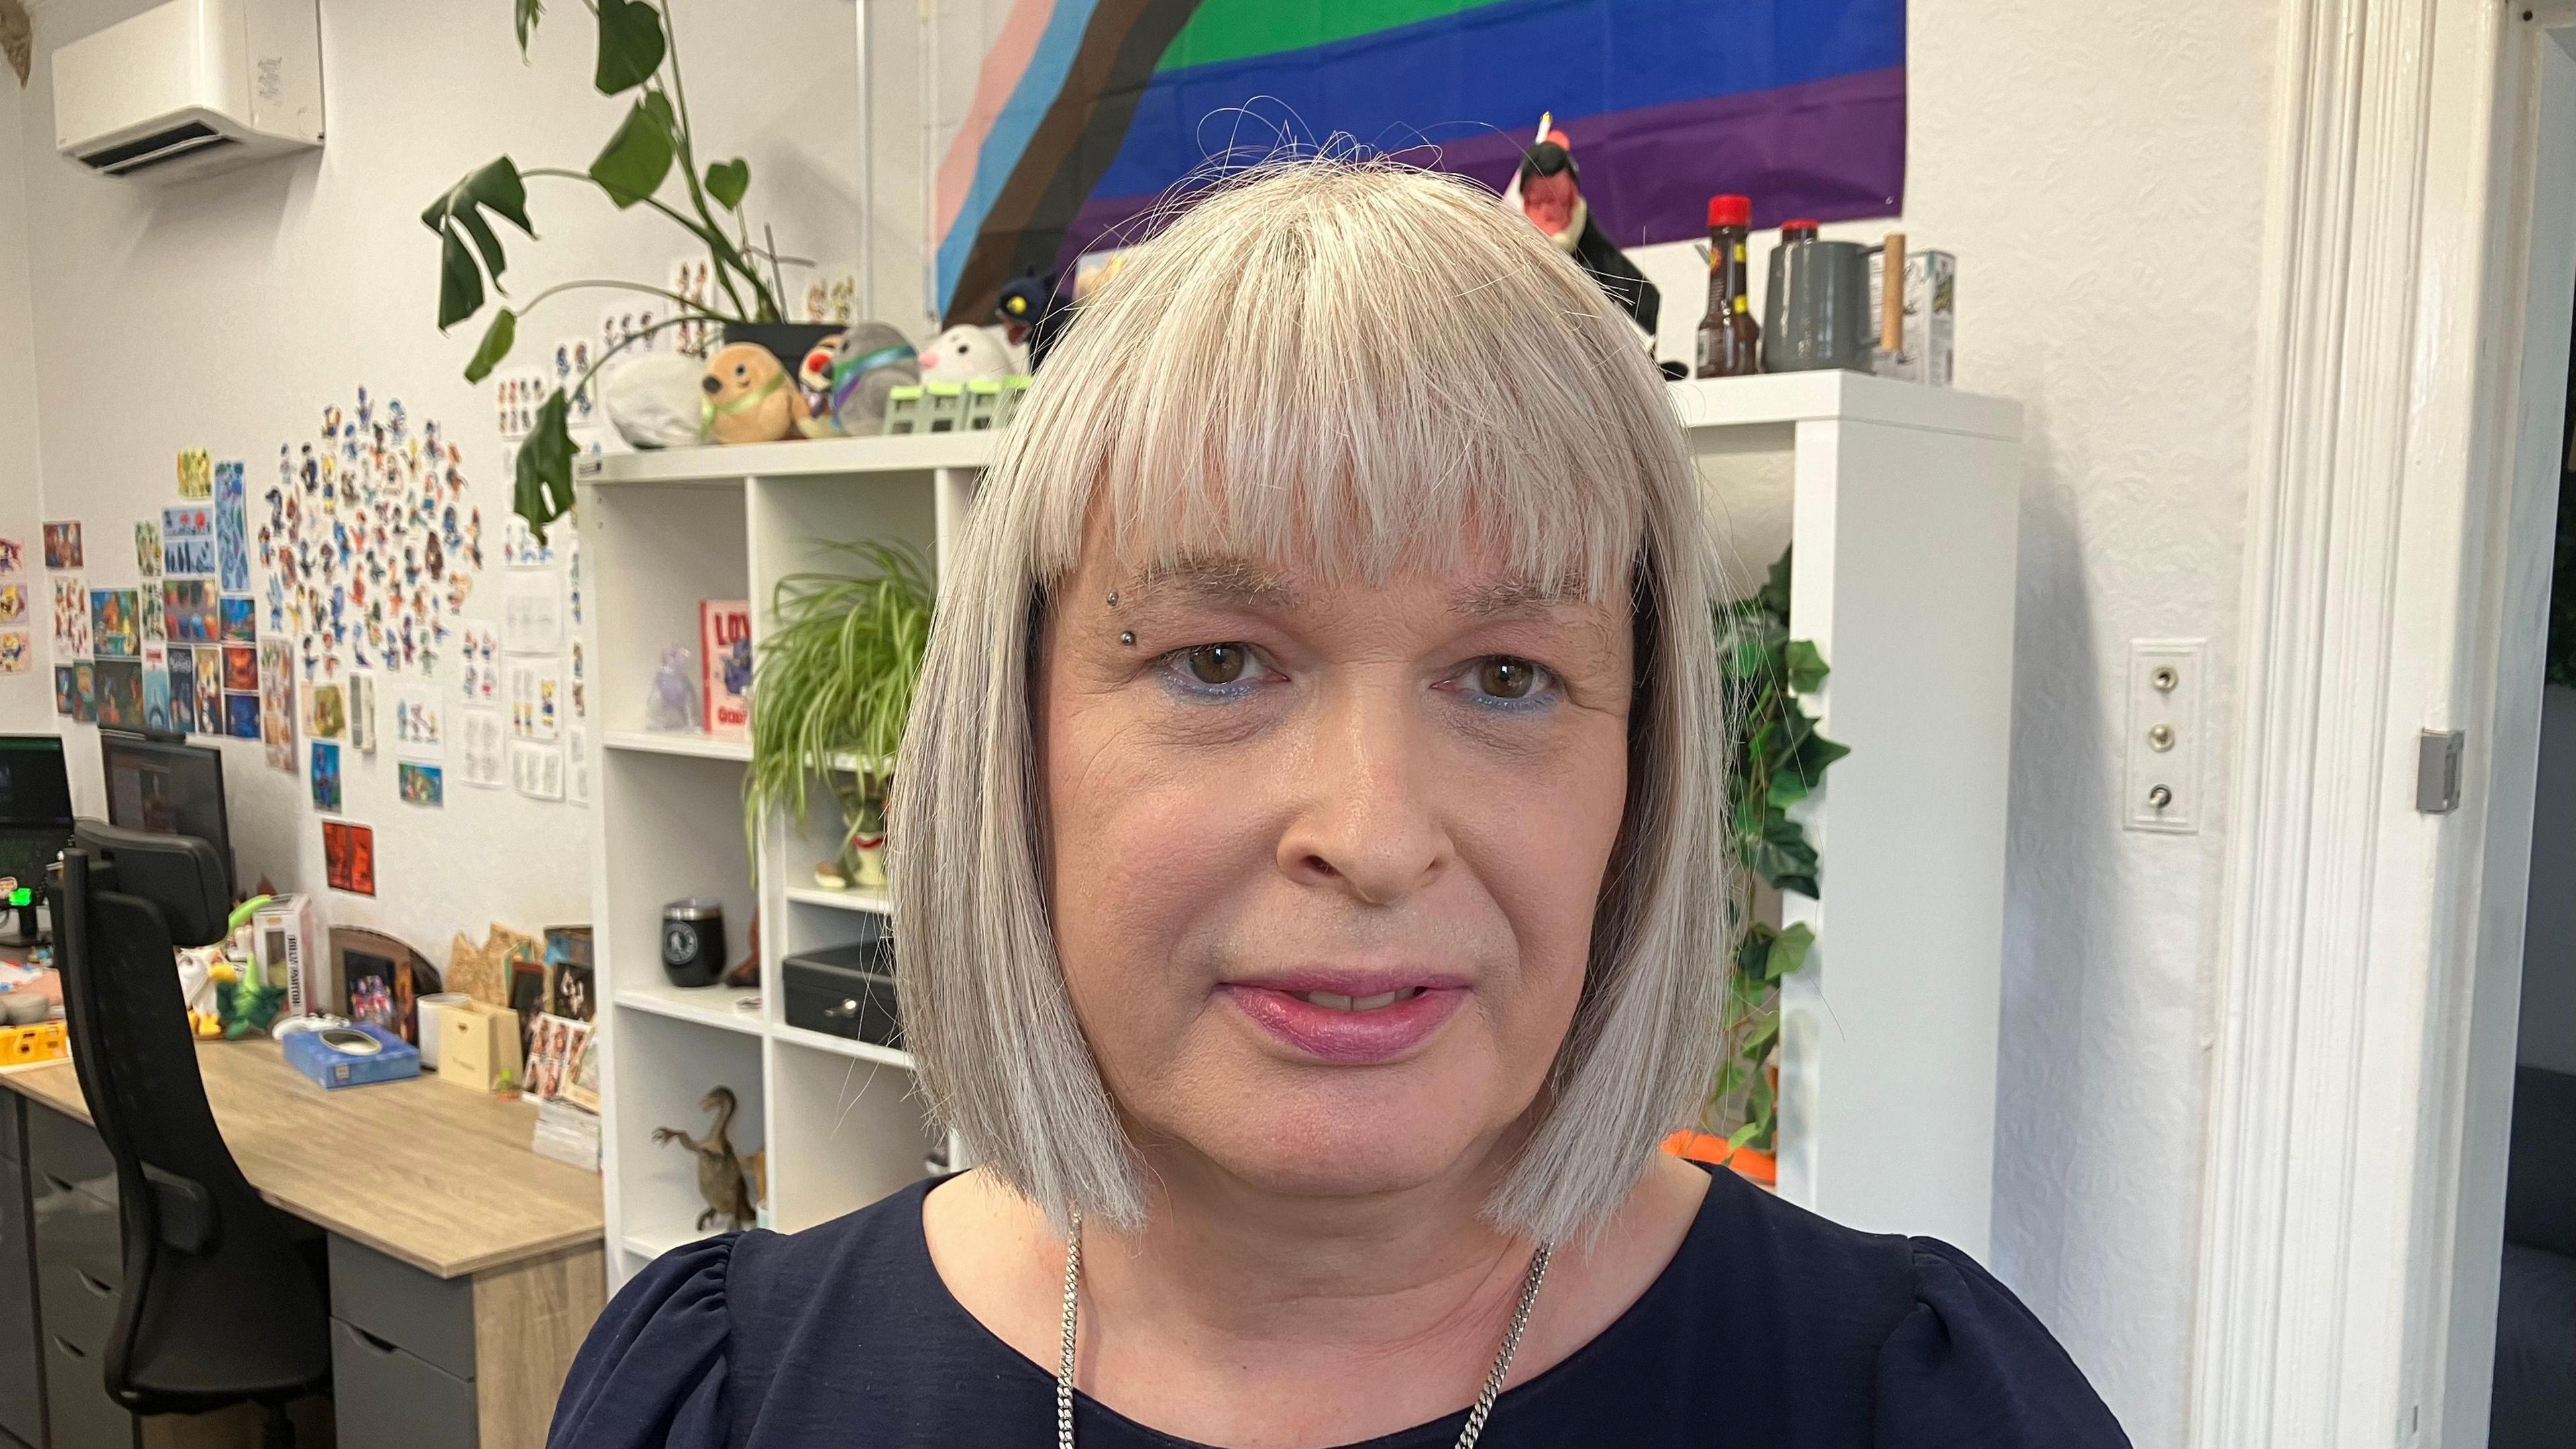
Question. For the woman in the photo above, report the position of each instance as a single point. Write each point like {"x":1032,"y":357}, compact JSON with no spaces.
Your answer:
{"x":1306,"y":915}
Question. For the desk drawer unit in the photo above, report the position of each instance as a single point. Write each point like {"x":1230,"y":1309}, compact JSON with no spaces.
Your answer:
{"x":13,"y":1127}
{"x":79,"y":1309}
{"x":22,"y":1340}
{"x":68,"y":1153}
{"x":429,"y":1317}
{"x":74,"y":1227}
{"x":84,"y":1417}
{"x":385,"y":1397}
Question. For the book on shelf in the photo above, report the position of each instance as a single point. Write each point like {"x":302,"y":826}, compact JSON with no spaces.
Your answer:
{"x":724,"y":640}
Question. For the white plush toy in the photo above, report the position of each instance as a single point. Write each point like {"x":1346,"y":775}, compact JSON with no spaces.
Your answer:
{"x":963,"y":354}
{"x":654,"y":401}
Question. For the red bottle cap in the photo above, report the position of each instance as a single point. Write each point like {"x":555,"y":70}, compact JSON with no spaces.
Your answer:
{"x":1800,"y":223}
{"x":1730,"y":211}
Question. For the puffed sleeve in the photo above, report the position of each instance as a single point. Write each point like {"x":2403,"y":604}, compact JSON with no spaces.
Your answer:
{"x":1969,"y":1365}
{"x":652,"y":1373}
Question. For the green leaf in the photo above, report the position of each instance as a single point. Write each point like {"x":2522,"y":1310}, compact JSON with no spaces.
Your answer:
{"x":496,"y":345}
{"x":1745,"y":1134}
{"x":631,"y":45}
{"x":458,"y":219}
{"x":1806,"y":666}
{"x":1753,"y":954}
{"x":638,"y":157}
{"x":528,"y":13}
{"x":544,"y":491}
{"x":727,"y":180}
{"x":460,"y":285}
{"x":1789,"y":952}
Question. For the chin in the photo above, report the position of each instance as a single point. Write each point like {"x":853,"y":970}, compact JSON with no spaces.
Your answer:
{"x":1357,"y":1133}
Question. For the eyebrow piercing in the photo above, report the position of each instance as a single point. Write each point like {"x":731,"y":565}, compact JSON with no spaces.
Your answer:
{"x":1113,"y":598}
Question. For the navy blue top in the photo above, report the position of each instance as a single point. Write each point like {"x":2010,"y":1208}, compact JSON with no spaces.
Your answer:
{"x":1770,"y":1327}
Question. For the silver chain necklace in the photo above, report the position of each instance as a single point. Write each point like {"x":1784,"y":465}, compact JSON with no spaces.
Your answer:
{"x":1475,"y":1417}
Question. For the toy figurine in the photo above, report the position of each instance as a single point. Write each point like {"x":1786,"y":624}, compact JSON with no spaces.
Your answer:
{"x":1550,"y":186}
{"x":673,"y":704}
{"x":721,"y":1180}
{"x":963,"y":354}
{"x":814,"y":383}
{"x":1032,"y":313}
{"x":749,"y":397}
{"x":870,"y":361}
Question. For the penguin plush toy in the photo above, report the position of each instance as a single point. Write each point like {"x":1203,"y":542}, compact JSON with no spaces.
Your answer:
{"x":1551,"y":190}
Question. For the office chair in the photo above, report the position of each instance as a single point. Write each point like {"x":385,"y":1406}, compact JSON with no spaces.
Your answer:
{"x":221,"y":1306}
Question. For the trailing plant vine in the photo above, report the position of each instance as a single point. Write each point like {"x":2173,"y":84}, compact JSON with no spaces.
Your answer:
{"x":1779,"y":758}
{"x":638,"y":53}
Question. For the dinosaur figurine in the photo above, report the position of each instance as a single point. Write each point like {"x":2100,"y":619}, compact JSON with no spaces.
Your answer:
{"x":720,"y":1176}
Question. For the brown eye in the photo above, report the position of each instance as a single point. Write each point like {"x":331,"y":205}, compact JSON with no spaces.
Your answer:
{"x":1218,"y":663}
{"x":1506,"y":678}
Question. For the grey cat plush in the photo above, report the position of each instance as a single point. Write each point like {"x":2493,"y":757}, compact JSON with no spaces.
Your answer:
{"x":873,"y":359}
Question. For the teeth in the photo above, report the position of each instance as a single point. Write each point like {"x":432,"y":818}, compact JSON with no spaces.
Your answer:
{"x":1338,"y":1002}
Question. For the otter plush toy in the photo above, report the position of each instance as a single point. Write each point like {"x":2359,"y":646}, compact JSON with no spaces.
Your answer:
{"x":749,"y":397}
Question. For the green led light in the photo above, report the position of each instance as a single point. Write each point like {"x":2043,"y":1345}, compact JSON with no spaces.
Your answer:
{"x":22,"y":896}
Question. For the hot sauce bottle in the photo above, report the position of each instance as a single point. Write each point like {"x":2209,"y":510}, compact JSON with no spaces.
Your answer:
{"x":1728,"y":335}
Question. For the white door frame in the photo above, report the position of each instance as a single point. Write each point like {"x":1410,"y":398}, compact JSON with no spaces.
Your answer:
{"x":2396,"y":573}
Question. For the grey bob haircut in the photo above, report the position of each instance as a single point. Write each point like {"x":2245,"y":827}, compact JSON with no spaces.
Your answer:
{"x":1368,"y":368}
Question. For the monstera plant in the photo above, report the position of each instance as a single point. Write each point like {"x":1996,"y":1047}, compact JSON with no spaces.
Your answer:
{"x":638,"y":56}
{"x":1779,"y":758}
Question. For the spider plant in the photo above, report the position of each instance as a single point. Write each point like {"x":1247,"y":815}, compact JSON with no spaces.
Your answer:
{"x":832,"y":687}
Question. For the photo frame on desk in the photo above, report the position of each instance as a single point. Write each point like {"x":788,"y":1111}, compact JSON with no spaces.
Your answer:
{"x":528,"y":999}
{"x":383,"y":978}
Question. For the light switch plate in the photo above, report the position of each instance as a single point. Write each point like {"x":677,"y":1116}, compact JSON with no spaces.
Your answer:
{"x":2160,"y":785}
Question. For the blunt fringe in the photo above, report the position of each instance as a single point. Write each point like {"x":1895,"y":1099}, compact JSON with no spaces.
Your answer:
{"x":1367,"y":367}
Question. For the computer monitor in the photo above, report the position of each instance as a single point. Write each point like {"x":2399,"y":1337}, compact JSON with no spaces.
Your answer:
{"x":166,"y":785}
{"x":35,"y":821}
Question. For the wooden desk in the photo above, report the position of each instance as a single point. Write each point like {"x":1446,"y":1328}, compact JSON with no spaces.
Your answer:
{"x":428,"y":1174}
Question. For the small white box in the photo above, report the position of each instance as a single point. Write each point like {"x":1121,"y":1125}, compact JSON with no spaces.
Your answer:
{"x":292,"y":953}
{"x":1931,"y":315}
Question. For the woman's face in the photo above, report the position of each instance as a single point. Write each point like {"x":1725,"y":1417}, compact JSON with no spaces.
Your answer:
{"x":1325,"y":856}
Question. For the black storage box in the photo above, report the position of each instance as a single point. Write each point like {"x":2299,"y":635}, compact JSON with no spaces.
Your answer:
{"x":845,"y":991}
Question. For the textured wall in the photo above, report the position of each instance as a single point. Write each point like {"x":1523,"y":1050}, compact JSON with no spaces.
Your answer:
{"x":227,"y":312}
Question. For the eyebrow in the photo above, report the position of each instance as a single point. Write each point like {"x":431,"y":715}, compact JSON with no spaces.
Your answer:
{"x":1248,"y":583}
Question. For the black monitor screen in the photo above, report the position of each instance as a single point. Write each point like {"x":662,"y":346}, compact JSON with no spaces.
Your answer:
{"x":35,"y":793}
{"x":174,"y":789}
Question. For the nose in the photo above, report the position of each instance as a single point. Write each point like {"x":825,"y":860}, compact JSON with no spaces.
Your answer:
{"x":709,"y":384}
{"x":1369,"y":823}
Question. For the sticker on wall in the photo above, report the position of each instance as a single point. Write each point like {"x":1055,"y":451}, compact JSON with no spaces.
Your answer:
{"x":66,"y":692}
{"x":196,"y":473}
{"x":188,"y":609}
{"x":326,"y":777}
{"x":577,"y":765}
{"x":532,"y":612}
{"x":536,"y":770}
{"x":362,"y":713}
{"x":118,"y":693}
{"x":638,"y":319}
{"x":241,"y":716}
{"x":188,"y":541}
{"x":13,"y":603}
{"x":571,"y":366}
{"x":326,"y":711}
{"x":370,"y":541}
{"x":424,"y":785}
{"x":536,"y":700}
{"x":349,"y":857}
{"x":71,"y":616}
{"x":183,"y":689}
{"x":210,"y":691}
{"x":239,"y":618}
{"x":13,"y":557}
{"x":17,"y":651}
{"x":156,"y":687}
{"x":578,"y":685}
{"x":482,"y":744}
{"x":693,"y":280}
{"x":833,"y":299}
{"x":277,"y":702}
{"x":84,"y":692}
{"x":522,"y":549}
{"x":63,"y":545}
{"x":420,"y":732}
{"x":115,"y":625}
{"x":232,"y":529}
{"x":572,"y":575}
{"x":479,"y":645}
{"x":147,"y":549}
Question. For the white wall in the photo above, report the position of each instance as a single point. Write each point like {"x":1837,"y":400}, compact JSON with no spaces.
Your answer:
{"x":227,"y":312}
{"x":26,"y":700}
{"x":2548,"y":1022}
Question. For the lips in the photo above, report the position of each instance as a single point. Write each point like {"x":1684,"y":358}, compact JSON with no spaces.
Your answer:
{"x":1348,"y":1020}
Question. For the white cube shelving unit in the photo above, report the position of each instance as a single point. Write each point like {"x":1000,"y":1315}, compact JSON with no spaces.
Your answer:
{"x":1902,"y":501}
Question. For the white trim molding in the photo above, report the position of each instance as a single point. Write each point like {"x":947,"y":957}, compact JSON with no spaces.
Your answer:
{"x":2378,"y":589}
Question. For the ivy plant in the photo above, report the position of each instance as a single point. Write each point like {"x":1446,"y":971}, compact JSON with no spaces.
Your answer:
{"x":1779,"y":758}
{"x":638,"y":56}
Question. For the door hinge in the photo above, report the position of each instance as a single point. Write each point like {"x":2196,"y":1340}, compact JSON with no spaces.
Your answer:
{"x":2437,"y":772}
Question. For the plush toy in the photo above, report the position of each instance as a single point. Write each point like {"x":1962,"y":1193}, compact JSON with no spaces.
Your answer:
{"x":963,"y":354}
{"x":1033,"y":314}
{"x":749,"y":397}
{"x":1549,"y":187}
{"x":871,"y":360}
{"x":653,"y":400}
{"x":814,"y":381}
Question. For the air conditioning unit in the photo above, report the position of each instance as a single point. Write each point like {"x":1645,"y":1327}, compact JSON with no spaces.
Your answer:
{"x":192,"y":87}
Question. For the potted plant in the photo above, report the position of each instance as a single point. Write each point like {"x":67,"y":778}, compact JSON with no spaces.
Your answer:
{"x":1778,"y":759}
{"x":830,"y":693}
{"x":638,"y":55}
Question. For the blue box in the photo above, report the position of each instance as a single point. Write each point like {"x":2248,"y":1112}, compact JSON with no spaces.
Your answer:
{"x":330,"y":1066}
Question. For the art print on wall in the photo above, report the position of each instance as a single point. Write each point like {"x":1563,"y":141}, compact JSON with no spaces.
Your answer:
{"x":577,"y":765}
{"x":13,"y":603}
{"x":210,"y":691}
{"x":479,"y":645}
{"x":349,"y":857}
{"x":183,"y":689}
{"x":17,"y":651}
{"x":156,"y":619}
{"x":188,"y":610}
{"x":484,"y":744}
{"x":188,"y":541}
{"x":362,"y":712}
{"x":241,"y":670}
{"x":118,"y":693}
{"x":241,"y":716}
{"x":536,"y":770}
{"x":423,"y":785}
{"x":232,"y":529}
{"x":419,"y":725}
{"x":84,"y":692}
{"x":238,"y":618}
{"x":156,"y":687}
{"x":13,"y":556}
{"x":326,"y":711}
{"x":536,"y":700}
{"x":532,"y":611}
{"x":277,"y":702}
{"x":66,"y":691}
{"x":115,"y":624}
{"x":147,"y":549}
{"x":326,"y":777}
{"x":371,"y":542}
{"x":196,"y":473}
{"x":71,"y":616}
{"x":63,"y":546}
